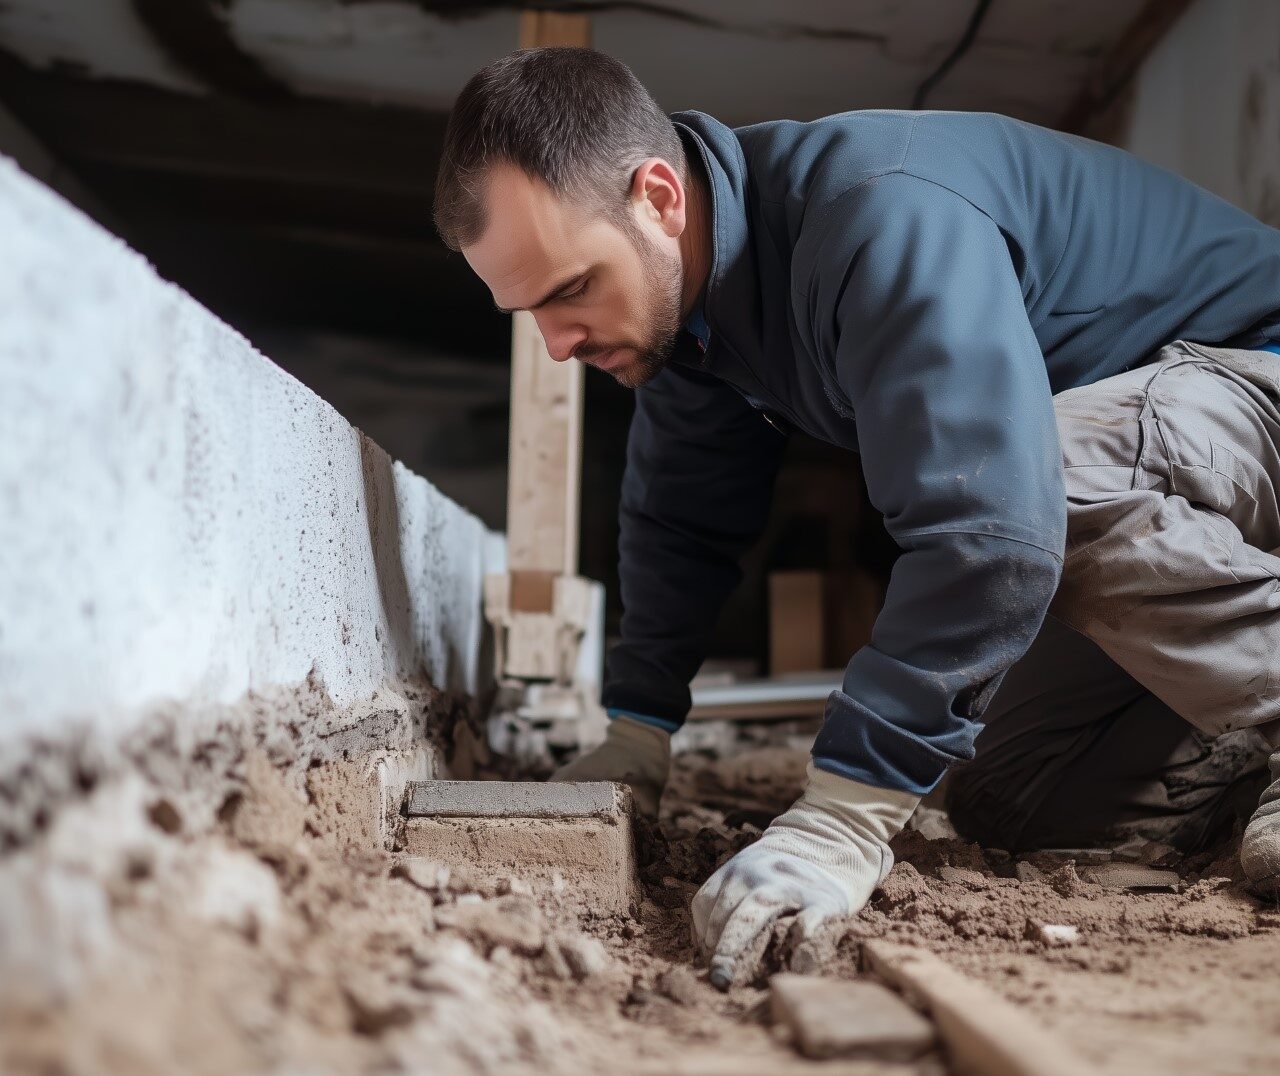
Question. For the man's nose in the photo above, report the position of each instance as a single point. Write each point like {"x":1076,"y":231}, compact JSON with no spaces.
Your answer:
{"x":562,"y":340}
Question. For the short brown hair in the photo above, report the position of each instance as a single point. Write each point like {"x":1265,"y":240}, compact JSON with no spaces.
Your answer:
{"x":574,"y":118}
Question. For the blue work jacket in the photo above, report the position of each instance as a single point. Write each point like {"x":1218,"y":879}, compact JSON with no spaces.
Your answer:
{"x":913,"y":287}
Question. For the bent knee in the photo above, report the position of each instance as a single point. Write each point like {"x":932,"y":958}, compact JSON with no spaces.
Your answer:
{"x":983,"y":808}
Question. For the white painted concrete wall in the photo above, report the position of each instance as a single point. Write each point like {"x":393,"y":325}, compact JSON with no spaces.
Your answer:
{"x":1206,"y":103}
{"x":180,"y":520}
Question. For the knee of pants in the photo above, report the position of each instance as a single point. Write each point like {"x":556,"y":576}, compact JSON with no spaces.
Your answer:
{"x":983,"y":807}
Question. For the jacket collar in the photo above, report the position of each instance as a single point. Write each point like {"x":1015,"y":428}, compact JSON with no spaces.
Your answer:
{"x":731,"y":302}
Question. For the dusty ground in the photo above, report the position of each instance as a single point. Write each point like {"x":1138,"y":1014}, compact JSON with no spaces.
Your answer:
{"x":326,"y":956}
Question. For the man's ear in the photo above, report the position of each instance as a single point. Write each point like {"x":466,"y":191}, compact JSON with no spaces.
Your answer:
{"x":658,"y":192}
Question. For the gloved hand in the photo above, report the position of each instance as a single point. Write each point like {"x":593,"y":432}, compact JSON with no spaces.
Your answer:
{"x":634,"y":754}
{"x":823,"y":857}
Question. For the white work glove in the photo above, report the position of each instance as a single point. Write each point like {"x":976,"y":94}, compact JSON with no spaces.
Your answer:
{"x":633,"y":754}
{"x":823,"y":857}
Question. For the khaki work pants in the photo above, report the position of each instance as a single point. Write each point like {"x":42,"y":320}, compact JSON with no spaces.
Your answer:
{"x":1149,"y":702}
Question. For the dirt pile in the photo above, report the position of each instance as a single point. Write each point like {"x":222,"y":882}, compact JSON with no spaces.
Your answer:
{"x":282,"y":940}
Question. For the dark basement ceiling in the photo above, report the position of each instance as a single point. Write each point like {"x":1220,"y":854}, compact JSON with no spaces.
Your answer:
{"x":276,"y":157}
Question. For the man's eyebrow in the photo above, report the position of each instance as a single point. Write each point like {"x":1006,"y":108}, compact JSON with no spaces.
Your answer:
{"x":554,"y":293}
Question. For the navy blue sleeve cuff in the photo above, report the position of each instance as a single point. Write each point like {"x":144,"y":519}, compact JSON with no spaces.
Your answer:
{"x":856,"y":743}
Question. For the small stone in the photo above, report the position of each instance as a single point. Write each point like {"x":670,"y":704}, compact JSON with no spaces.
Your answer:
{"x":1130,"y":876}
{"x":517,"y":886}
{"x":165,"y":817}
{"x":1052,"y":935}
{"x":586,"y":957}
{"x":838,"y":1018}
{"x":552,"y":962}
{"x":1066,"y":881}
{"x":1029,"y":872}
{"x":679,"y":984}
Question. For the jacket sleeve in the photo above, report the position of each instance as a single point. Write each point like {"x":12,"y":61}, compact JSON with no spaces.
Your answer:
{"x":918,"y":311}
{"x":695,"y":496}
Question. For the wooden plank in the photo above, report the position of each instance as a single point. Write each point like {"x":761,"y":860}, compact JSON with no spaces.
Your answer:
{"x":545,"y":465}
{"x":377,"y":149}
{"x":984,"y":1034}
{"x":546,"y":403}
{"x":796,"y":622}
{"x":554,"y":28}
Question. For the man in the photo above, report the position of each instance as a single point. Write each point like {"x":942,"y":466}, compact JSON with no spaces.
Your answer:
{"x":914,"y":287}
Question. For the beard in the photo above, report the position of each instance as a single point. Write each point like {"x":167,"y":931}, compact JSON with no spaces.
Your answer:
{"x":663,"y":302}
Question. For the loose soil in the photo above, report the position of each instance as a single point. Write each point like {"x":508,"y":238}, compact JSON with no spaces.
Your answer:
{"x":336,"y":958}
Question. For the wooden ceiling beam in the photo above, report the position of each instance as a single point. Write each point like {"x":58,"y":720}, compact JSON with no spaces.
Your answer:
{"x":379,"y":148}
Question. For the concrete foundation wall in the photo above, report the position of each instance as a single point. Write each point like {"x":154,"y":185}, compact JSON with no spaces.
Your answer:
{"x":190,"y":540}
{"x":180,"y":519}
{"x":1206,"y":103}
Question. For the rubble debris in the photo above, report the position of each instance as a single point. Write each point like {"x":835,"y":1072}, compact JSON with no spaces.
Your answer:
{"x":838,"y":1018}
{"x":512,"y":922}
{"x":1067,"y":882}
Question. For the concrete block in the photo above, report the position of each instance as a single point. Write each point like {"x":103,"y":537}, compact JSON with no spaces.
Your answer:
{"x":518,"y":799}
{"x":837,"y":1018}
{"x":574,"y":839}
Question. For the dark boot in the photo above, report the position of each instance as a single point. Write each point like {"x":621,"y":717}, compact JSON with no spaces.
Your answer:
{"x":1260,"y":847}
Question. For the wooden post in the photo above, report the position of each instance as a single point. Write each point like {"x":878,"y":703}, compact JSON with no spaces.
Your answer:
{"x":545,"y":458}
{"x":540,"y":607}
{"x":539,"y":28}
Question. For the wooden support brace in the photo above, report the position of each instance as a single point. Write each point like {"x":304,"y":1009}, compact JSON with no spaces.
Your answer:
{"x":984,"y":1034}
{"x":536,"y":607}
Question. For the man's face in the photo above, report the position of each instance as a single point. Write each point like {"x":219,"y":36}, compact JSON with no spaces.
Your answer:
{"x":605,"y":295}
